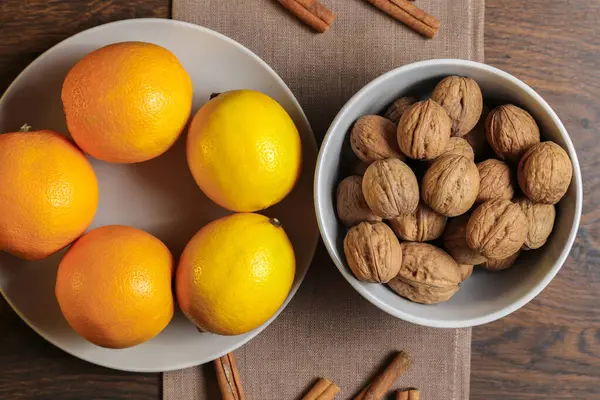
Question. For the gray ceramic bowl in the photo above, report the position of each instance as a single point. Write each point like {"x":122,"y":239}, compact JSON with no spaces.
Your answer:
{"x":485,"y":296}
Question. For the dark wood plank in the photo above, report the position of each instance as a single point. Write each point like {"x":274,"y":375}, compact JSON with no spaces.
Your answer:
{"x":549,"y":349}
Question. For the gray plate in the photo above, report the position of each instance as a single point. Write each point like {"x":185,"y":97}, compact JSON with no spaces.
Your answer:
{"x":159,"y":196}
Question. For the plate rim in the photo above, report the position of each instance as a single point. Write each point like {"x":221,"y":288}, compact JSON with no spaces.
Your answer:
{"x":312,"y":142}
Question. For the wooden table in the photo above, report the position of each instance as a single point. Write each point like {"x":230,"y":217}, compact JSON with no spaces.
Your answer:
{"x":548,"y":349}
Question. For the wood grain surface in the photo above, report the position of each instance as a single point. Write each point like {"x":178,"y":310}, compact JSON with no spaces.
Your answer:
{"x":548,"y":349}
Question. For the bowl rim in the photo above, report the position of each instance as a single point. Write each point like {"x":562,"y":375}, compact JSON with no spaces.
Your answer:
{"x":493,"y":315}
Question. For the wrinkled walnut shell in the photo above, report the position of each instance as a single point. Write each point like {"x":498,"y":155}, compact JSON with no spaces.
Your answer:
{"x":457,"y":146}
{"x":372,"y":251}
{"x":428,"y":275}
{"x":465,"y":271}
{"x":511,"y":131}
{"x":398,"y":108}
{"x":462,"y":99}
{"x":351,"y":205}
{"x":540,"y":218}
{"x":374,"y":138}
{"x":499,"y":265}
{"x":390,"y":188}
{"x":421,"y":226}
{"x":455,"y":242}
{"x":545,"y":173}
{"x":424,"y":130}
{"x":495,"y":181}
{"x":497,"y":229}
{"x":450,"y":186}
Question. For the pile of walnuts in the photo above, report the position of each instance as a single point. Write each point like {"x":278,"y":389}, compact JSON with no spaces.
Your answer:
{"x":417,"y":182}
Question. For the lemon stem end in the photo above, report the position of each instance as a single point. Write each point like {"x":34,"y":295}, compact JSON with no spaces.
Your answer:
{"x":275,"y":222}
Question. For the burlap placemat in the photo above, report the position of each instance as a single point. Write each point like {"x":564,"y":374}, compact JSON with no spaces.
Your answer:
{"x":328,"y":329}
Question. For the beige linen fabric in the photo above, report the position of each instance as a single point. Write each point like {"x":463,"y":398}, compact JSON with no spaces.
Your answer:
{"x":328,"y":329}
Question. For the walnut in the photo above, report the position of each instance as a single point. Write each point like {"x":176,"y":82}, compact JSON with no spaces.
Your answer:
{"x":424,"y":130}
{"x":373,"y":252}
{"x":421,"y":226}
{"x":458,"y":147}
{"x":511,"y":131}
{"x":390,"y":188}
{"x":466,"y":271}
{"x":351,"y":205}
{"x":495,"y":182}
{"x":545,"y":173}
{"x":476,"y":138}
{"x":497,"y":229}
{"x":455,"y":242}
{"x":540,"y":219}
{"x":374,"y":138}
{"x":398,"y":107}
{"x":427,"y":275}
{"x":498,"y":265}
{"x":462,"y":99}
{"x":450,"y":185}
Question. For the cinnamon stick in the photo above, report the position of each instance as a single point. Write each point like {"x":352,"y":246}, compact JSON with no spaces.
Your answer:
{"x":410,"y":15}
{"x":412,"y":394}
{"x":228,"y":378}
{"x":324,"y":389}
{"x":311,"y":12}
{"x":384,"y":381}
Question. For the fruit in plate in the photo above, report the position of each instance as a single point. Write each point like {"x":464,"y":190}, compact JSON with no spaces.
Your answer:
{"x":127,"y":102}
{"x":235,"y":273}
{"x":114,"y":286}
{"x":244,"y":151}
{"x":48,"y":193}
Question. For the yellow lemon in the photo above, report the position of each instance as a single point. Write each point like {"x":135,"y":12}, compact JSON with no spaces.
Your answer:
{"x":244,"y":151}
{"x":235,"y":273}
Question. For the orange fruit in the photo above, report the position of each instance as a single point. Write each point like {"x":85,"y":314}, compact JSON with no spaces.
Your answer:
{"x":244,"y":151}
{"x":235,"y":273}
{"x":48,"y":193}
{"x":127,"y":102}
{"x":114,"y":286}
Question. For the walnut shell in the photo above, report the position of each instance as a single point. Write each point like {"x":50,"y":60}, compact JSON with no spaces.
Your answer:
{"x":421,"y":226}
{"x":398,"y":108}
{"x":351,"y":205}
{"x":466,"y":271}
{"x":390,"y":188}
{"x":545,"y":173}
{"x":455,"y":242}
{"x":540,"y":219}
{"x":450,"y":186}
{"x":372,"y":251}
{"x":374,"y":138}
{"x":462,"y":99}
{"x":497,"y":229}
{"x":477,"y":139}
{"x":424,"y":130}
{"x":457,"y":147}
{"x":427,"y":275}
{"x":511,"y":131}
{"x":495,"y":181}
{"x":499,"y":265}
